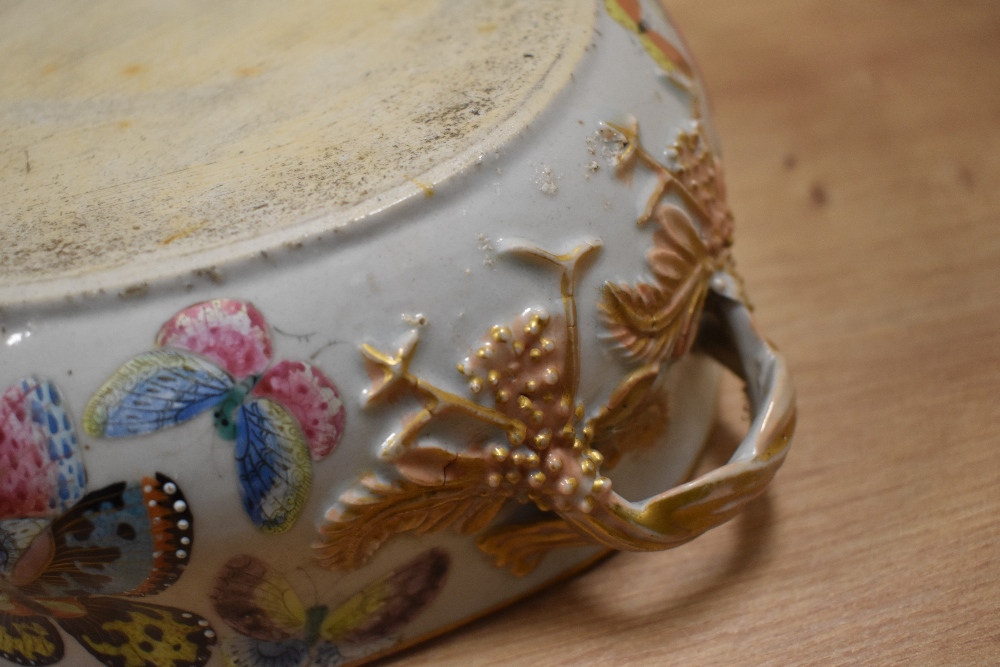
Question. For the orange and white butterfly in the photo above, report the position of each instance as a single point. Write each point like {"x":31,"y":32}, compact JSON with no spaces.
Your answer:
{"x":80,"y":562}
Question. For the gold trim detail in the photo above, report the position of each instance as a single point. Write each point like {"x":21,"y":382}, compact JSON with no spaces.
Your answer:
{"x":521,"y":547}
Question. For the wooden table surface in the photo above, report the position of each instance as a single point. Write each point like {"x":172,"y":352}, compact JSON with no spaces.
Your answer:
{"x":862,"y":141}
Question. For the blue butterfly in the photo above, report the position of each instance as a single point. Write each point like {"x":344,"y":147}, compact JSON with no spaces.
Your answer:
{"x":215,"y":356}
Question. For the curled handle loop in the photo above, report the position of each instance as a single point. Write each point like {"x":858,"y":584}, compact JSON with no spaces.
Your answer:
{"x":682,"y":513}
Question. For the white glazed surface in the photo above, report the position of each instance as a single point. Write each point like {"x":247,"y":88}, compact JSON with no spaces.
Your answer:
{"x":433,"y":259}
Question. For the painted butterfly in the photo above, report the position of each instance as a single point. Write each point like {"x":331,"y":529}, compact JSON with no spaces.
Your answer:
{"x":42,"y":473}
{"x":276,"y":630}
{"x":215,"y":355}
{"x":77,"y":561}
{"x":629,"y":14}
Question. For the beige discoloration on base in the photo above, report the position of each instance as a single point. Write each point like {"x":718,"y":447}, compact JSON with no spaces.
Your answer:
{"x":136,"y":131}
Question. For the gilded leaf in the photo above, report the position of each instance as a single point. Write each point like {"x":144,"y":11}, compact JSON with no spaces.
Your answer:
{"x":646,"y":428}
{"x":658,"y":321}
{"x":635,"y":416}
{"x":521,"y":547}
{"x":438,"y":490}
{"x":700,"y":173}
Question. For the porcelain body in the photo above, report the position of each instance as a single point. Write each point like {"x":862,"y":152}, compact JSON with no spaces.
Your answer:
{"x":279,"y":322}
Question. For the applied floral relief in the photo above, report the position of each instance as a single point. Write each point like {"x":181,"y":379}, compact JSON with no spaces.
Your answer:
{"x":547,"y":447}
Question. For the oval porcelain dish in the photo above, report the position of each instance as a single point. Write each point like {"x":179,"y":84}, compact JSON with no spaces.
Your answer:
{"x":330,"y":326}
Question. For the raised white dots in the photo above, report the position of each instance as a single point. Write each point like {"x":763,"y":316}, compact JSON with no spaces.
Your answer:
{"x":586,"y":505}
{"x":475,"y":385}
{"x":548,"y":345}
{"x":551,"y":376}
{"x":494,"y":479}
{"x":170,"y":488}
{"x":210,"y":634}
{"x":180,"y":506}
{"x":183,"y":524}
{"x":147,"y":489}
{"x":180,"y":553}
{"x":185,"y":540}
{"x":203,"y":623}
{"x":152,"y":503}
{"x":567,"y":485}
{"x":500,"y":334}
{"x":543,"y":438}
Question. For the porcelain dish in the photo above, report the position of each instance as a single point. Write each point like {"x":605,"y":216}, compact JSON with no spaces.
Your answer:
{"x":329,"y":328}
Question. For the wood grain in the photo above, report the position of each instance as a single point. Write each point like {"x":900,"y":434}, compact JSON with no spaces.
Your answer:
{"x":861,"y":153}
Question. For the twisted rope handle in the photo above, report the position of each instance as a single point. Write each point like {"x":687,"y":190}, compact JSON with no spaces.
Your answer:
{"x":682,"y":513}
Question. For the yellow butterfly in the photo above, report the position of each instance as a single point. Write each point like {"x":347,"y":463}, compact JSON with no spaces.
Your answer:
{"x":276,"y":630}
